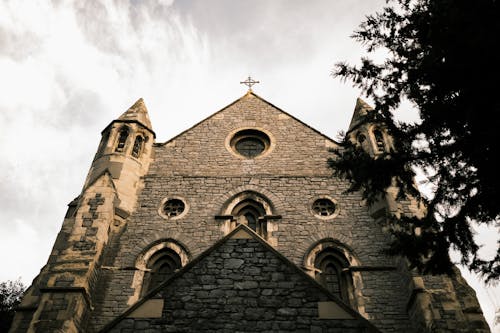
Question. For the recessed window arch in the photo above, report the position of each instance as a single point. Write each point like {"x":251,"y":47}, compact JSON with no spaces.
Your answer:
{"x":332,"y":273}
{"x":329,"y":262}
{"x":162,"y":264}
{"x":138,"y":145}
{"x":251,"y":209}
{"x":156,"y":263}
{"x":252,"y":213}
{"x":122,"y":139}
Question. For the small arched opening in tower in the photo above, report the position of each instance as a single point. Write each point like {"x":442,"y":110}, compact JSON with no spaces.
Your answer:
{"x":379,"y":140}
{"x":122,"y":139}
{"x":138,"y":144}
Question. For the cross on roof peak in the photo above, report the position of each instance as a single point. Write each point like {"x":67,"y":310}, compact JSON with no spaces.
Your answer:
{"x":249,"y":82}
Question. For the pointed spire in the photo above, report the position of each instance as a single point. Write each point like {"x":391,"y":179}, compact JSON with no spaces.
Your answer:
{"x":139,"y":113}
{"x":359,"y":112}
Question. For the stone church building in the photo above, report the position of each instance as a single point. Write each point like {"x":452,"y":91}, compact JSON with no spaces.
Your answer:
{"x":234,"y":225}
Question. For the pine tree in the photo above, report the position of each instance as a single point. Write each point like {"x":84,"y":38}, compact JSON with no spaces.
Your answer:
{"x":441,"y":59}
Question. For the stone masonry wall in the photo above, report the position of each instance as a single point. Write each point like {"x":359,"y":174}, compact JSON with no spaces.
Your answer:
{"x":242,"y":287}
{"x":198,"y":167}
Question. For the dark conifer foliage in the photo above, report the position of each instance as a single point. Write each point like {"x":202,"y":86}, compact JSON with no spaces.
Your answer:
{"x":11,"y":293}
{"x":442,"y":58}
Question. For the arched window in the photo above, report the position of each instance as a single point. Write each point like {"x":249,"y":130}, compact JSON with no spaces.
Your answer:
{"x":122,"y":139}
{"x":379,"y":140}
{"x":361,"y":138}
{"x":136,"y":150}
{"x":331,"y":272}
{"x":251,"y":213}
{"x":157,"y":263}
{"x":160,"y":267}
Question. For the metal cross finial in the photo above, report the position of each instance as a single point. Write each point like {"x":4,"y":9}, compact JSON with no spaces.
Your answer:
{"x":249,"y":82}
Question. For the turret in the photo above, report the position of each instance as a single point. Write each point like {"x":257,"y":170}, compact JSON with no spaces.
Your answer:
{"x":125,"y":151}
{"x":371,"y":136}
{"x":62,"y":296}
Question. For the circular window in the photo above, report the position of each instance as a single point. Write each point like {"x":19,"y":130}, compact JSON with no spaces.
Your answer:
{"x":173,"y":208}
{"x":324,"y":207}
{"x":250,"y":143}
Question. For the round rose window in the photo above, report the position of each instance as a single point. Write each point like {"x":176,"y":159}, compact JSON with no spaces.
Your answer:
{"x":250,"y":143}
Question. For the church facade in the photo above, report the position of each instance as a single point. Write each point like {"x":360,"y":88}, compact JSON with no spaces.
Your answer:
{"x":234,"y":225}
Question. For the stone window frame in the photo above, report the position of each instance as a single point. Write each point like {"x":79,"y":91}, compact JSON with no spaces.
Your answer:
{"x":353,"y":282}
{"x":254,"y":202}
{"x":143,"y":259}
{"x":379,"y":142}
{"x":231,"y":140}
{"x":144,"y":139}
{"x":321,"y":217}
{"x":171,"y":218}
{"x":116,"y":146}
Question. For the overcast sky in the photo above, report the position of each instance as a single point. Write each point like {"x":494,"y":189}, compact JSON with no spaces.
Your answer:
{"x":67,"y":68}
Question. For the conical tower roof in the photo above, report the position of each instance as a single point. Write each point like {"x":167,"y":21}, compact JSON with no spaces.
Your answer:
{"x":359,"y":112}
{"x":138,"y":112}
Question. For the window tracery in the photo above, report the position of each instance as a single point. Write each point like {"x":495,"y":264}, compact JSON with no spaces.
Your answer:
{"x":251,"y":213}
{"x":332,"y":273}
{"x":161,"y":266}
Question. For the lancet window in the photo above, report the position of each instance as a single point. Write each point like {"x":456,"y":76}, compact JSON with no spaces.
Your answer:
{"x":379,"y":140}
{"x":160,"y":267}
{"x":331,"y":271}
{"x":251,"y":213}
{"x":137,"y":149}
{"x":122,"y":139}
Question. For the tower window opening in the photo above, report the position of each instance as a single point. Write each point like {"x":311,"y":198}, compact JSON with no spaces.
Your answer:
{"x":136,"y":150}
{"x":379,"y":140}
{"x":361,"y":138}
{"x":122,"y":140}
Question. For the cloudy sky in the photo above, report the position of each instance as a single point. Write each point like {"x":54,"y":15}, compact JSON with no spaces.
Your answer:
{"x":67,"y":68}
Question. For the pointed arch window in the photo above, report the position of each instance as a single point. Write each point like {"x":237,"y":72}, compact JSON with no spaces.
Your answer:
{"x":333,"y":274}
{"x":161,"y":266}
{"x":122,"y":139}
{"x":137,"y":149}
{"x":379,"y":140}
{"x":251,"y":213}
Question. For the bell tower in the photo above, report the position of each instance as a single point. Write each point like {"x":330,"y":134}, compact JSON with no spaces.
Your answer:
{"x":125,"y":152}
{"x":62,"y":296}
